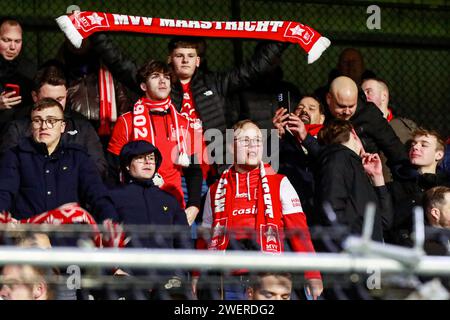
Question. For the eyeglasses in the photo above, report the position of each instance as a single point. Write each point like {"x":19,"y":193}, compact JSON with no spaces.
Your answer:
{"x":50,"y":123}
{"x":145,"y":158}
{"x":245,"y":142}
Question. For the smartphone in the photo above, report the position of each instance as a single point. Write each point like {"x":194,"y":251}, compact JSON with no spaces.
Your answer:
{"x":282,"y":100}
{"x":289,"y":112}
{"x":9,"y":87}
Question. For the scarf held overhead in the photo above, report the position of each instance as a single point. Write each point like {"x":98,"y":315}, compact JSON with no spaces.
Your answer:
{"x":81,"y":24}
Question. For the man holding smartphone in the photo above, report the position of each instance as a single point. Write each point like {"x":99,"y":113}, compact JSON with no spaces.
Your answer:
{"x":15,"y":73}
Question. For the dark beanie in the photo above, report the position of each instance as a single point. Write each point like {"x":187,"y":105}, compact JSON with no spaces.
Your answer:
{"x":136,"y":148}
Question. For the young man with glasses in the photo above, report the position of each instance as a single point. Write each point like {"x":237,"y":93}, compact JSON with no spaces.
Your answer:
{"x":43,"y":172}
{"x":139,"y":201}
{"x":50,"y":82}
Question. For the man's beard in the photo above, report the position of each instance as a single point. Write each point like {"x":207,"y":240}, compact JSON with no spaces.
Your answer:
{"x":305,"y":118}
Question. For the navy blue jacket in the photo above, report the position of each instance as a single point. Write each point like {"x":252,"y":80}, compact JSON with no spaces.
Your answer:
{"x":32,"y":181}
{"x":142,"y":203}
{"x":78,"y":131}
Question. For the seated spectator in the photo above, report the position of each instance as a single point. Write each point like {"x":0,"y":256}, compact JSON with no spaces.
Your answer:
{"x":27,"y":282}
{"x":349,"y":179}
{"x":49,"y":82}
{"x":43,"y":172}
{"x":251,"y":199}
{"x":377,"y":91}
{"x":50,"y":278}
{"x":154,"y":119}
{"x":270,"y":286}
{"x":427,"y":150}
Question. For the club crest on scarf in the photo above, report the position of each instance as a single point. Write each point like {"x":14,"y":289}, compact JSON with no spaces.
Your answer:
{"x":218,"y":234}
{"x":270,"y":238}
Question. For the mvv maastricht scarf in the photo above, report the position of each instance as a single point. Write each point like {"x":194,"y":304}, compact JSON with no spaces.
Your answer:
{"x":268,"y":218}
{"x":81,"y":24}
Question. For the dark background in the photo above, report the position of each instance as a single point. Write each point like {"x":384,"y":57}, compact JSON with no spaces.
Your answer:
{"x":410,"y":51}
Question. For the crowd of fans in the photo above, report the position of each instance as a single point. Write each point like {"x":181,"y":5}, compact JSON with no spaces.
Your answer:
{"x":93,"y":138}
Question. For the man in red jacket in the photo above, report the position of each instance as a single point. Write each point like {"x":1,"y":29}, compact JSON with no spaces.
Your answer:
{"x":251,"y":199}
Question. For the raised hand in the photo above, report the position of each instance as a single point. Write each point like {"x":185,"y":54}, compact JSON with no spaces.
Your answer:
{"x":373,"y":167}
{"x":296,"y":126}
{"x":9,"y":100}
{"x":279,"y":121}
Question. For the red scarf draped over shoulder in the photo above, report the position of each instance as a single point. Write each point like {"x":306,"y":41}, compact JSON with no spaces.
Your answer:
{"x":142,"y":123}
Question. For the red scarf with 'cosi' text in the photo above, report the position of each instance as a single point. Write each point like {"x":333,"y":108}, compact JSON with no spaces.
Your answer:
{"x":268,"y":220}
{"x":81,"y":24}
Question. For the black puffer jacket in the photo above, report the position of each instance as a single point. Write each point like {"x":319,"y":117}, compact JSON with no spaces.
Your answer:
{"x":209,"y":89}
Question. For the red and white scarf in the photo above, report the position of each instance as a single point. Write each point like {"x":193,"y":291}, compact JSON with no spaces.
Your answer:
{"x":73,"y":213}
{"x":81,"y":24}
{"x":69,"y":213}
{"x":268,"y":219}
{"x":108,"y":107}
{"x":142,"y":123}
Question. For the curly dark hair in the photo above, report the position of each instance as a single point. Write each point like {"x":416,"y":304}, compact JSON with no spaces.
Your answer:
{"x":150,"y":67}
